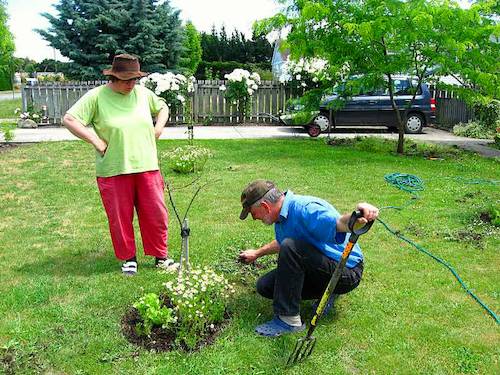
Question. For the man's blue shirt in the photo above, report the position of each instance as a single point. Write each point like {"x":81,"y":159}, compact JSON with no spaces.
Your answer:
{"x":314,"y":221}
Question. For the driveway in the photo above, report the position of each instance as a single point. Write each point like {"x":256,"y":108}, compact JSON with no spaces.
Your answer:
{"x":432,"y":135}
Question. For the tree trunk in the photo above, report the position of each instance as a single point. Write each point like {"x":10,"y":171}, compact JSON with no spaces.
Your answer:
{"x":401,"y":128}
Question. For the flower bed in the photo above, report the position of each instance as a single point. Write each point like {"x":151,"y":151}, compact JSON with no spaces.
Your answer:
{"x":187,"y":315}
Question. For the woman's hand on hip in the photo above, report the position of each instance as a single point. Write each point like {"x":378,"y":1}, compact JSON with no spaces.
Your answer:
{"x":100,"y":146}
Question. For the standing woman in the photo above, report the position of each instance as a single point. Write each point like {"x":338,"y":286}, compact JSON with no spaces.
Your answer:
{"x":128,"y":176}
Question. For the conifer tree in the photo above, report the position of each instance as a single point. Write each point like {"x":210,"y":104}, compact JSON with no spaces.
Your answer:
{"x":191,"y":55}
{"x":91,"y":32}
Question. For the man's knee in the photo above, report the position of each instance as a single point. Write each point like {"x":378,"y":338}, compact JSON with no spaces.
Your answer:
{"x":288,"y":243}
{"x":264,"y":288}
{"x":293,"y":247}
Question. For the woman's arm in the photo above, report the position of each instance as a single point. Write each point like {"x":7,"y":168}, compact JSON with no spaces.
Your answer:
{"x":84,"y":133}
{"x":161,"y":120}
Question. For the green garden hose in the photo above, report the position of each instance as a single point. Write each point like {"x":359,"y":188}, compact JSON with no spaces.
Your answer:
{"x":412,"y":184}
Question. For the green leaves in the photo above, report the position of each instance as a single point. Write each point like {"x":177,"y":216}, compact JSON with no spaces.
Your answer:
{"x":7,"y":48}
{"x":153,"y":314}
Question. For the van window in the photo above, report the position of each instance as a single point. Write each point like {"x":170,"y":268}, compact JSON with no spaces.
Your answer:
{"x":404,"y":87}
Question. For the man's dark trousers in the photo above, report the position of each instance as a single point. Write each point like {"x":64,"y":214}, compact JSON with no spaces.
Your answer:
{"x":303,"y":273}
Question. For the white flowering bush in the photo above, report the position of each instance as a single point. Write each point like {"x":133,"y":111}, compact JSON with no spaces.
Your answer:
{"x":240,"y":87}
{"x":312,"y":73}
{"x":174,"y":88}
{"x":310,"y":79}
{"x":200,"y":299}
{"x":30,"y":114}
{"x":187,"y":159}
{"x":191,"y":308}
{"x":305,"y":73}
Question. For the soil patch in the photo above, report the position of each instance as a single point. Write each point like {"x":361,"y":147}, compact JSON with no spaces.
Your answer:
{"x":6,"y":146}
{"x":8,"y":361}
{"x":469,"y":236}
{"x":486,"y":217}
{"x":162,"y":340}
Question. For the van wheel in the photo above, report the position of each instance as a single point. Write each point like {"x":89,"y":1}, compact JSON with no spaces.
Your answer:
{"x":322,"y":120}
{"x":313,"y":130}
{"x":414,"y":123}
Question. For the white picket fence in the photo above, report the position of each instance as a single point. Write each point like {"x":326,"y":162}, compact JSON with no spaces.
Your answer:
{"x":210,"y":106}
{"x":208,"y":102}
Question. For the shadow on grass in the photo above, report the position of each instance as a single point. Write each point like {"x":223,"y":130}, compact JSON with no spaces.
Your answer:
{"x":67,"y":265}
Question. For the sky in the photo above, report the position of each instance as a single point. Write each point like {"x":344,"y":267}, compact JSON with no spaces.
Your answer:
{"x":24,"y":16}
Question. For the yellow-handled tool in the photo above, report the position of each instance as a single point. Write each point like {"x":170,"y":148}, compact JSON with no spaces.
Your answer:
{"x":304,"y":346}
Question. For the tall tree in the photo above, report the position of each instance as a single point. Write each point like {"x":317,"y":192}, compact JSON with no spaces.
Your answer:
{"x":25,"y":65}
{"x":7,"y":48}
{"x":377,"y":39}
{"x":261,"y":49}
{"x":91,"y":32}
{"x":191,"y":55}
{"x":217,"y":46}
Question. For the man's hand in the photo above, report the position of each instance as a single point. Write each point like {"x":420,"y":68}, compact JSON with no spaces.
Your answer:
{"x":100,"y":146}
{"x":369,"y":212}
{"x":248,"y":256}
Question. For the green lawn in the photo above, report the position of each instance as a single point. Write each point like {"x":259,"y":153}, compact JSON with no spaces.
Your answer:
{"x":63,"y":296}
{"x":7,"y":108}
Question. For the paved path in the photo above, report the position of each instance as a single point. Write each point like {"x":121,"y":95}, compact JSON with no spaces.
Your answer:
{"x":8,"y":95}
{"x":43,"y":134}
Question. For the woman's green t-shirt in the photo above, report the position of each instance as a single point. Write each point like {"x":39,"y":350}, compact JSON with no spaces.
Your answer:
{"x":125,"y":123}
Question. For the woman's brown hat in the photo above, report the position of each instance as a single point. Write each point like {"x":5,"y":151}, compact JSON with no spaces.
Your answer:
{"x":125,"y":67}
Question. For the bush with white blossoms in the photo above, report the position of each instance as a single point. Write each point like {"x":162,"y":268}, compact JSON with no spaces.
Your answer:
{"x":305,"y":73}
{"x":174,"y":88}
{"x":239,"y":89}
{"x":30,"y":114}
{"x":187,"y":159}
{"x":200,"y":298}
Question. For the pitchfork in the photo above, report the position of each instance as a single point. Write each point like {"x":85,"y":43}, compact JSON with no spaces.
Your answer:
{"x":305,"y":345}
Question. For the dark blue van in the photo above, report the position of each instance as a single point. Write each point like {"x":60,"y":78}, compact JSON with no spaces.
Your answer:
{"x":374,"y":109}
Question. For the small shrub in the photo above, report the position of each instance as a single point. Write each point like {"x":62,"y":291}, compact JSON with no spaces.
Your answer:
{"x":187,"y":159}
{"x":208,"y":119}
{"x":473,"y":129}
{"x":488,"y":114}
{"x":497,"y":141}
{"x":153,"y":314}
{"x":200,"y":298}
{"x":7,"y":129}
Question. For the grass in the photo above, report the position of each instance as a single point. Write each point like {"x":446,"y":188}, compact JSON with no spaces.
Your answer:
{"x":7,"y":108}
{"x":63,"y":296}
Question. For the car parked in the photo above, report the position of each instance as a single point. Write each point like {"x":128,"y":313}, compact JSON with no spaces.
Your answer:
{"x":374,"y":108}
